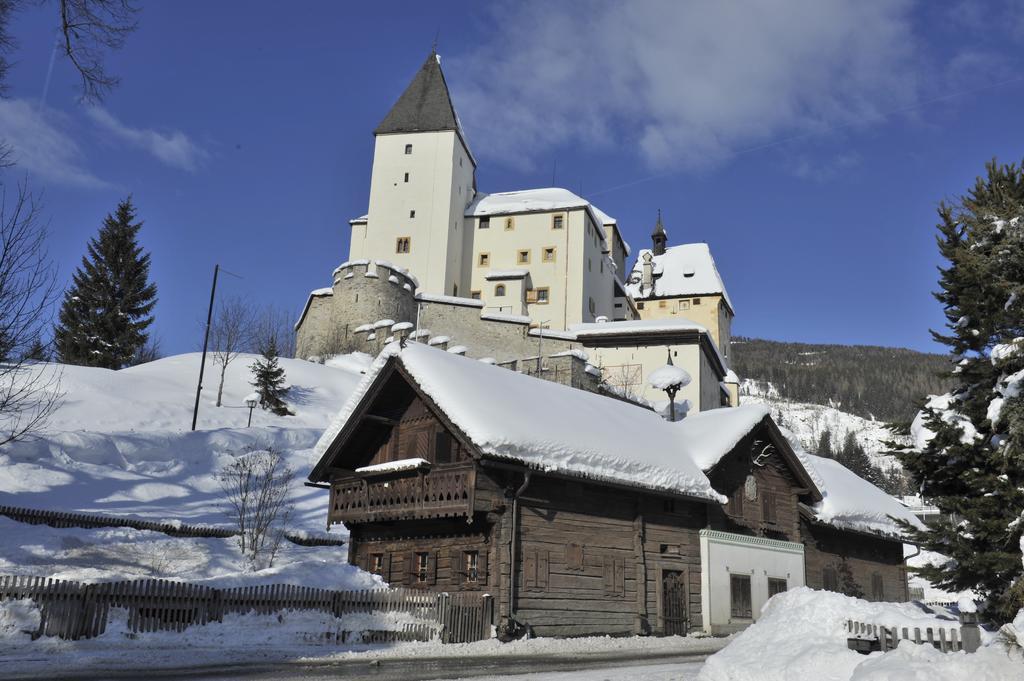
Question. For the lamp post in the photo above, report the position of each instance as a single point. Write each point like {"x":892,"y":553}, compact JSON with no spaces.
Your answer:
{"x":251,"y":402}
{"x":540,"y":340}
{"x":671,"y":379}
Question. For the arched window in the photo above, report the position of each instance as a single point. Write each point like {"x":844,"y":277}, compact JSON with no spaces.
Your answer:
{"x":499,"y":290}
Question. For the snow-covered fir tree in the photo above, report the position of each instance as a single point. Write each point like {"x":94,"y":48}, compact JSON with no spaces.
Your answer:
{"x":107,"y":309}
{"x":970,"y":458}
{"x":268,"y":379}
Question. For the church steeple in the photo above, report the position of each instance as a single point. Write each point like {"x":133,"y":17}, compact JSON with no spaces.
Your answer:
{"x":659,"y":238}
{"x":425,"y":106}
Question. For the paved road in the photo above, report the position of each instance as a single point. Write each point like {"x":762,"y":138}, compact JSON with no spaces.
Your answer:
{"x":652,"y":667}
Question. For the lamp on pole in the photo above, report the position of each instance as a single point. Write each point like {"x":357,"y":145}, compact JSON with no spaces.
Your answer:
{"x":671,"y":379}
{"x":251,"y":402}
{"x":540,"y":339}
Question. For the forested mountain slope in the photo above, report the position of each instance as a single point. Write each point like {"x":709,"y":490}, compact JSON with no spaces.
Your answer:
{"x":873,"y":382}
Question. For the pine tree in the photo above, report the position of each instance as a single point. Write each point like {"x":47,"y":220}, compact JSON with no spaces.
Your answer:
{"x":825,"y":444}
{"x":268,"y":379}
{"x":37,"y":352}
{"x":972,"y":468}
{"x":106,"y":312}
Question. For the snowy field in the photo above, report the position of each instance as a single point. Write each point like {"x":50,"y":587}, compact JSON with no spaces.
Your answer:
{"x":121,"y":444}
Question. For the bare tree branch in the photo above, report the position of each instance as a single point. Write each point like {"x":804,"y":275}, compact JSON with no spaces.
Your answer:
{"x":256,"y":490}
{"x":275,"y":323}
{"x":89,"y":29}
{"x":29,"y":390}
{"x":231,"y":334}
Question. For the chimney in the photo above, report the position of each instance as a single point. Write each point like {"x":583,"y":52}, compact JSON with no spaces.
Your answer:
{"x":647,"y":280}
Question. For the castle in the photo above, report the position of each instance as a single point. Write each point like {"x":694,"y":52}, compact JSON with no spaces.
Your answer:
{"x":534,"y":280}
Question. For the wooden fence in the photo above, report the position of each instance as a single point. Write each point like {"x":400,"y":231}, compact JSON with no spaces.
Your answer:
{"x":74,"y":610}
{"x":36,"y":516}
{"x":866,"y":637}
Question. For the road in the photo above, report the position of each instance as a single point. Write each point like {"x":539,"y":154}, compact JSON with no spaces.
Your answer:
{"x":652,"y":667}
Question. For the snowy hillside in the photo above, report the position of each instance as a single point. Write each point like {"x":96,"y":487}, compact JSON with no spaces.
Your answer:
{"x":120,"y":444}
{"x":809,"y":421}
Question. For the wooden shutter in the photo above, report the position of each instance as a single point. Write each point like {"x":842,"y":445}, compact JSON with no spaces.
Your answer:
{"x":455,"y":558}
{"x":481,"y":565}
{"x":387,"y":568}
{"x":574,"y":556}
{"x":432,"y":567}
{"x":410,"y":568}
{"x":614,"y":576}
{"x":531,"y":295}
{"x":542,"y":569}
{"x":442,"y":447}
{"x":530,"y":571}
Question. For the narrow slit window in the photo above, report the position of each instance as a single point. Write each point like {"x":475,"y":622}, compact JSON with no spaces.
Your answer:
{"x":403,"y":244}
{"x":407,"y":177}
{"x":422,"y":567}
{"x":408,"y":149}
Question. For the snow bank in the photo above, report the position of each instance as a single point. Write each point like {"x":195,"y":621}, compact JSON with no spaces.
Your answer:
{"x":18,"y":619}
{"x":912,"y":662}
{"x":589,"y":435}
{"x":709,"y":435}
{"x":801,"y":635}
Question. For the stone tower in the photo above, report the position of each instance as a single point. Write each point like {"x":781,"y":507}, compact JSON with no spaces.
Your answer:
{"x":423,"y":178}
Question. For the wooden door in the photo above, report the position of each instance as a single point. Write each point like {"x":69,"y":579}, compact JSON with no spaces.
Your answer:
{"x":673,"y":602}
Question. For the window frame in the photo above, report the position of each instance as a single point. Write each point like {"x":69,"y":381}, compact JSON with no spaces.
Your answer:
{"x":547,"y":295}
{"x":500,"y":290}
{"x":412,"y":214}
{"x":776,"y":580}
{"x":544,"y":253}
{"x":422,"y":572}
{"x":484,"y":223}
{"x":558,"y":221}
{"x":519,"y":256}
{"x":510,"y":224}
{"x":483,"y":259}
{"x":406,"y":180}
{"x":736,"y":610}
{"x":471,"y":566}
{"x":408,"y":149}
{"x":376,"y":563}
{"x":474,"y":295}
{"x":398,"y":245}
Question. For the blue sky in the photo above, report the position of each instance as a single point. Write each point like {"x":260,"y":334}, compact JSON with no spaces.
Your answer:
{"x":807,"y":142}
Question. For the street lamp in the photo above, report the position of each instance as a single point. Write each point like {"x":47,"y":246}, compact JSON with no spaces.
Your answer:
{"x":671,"y":379}
{"x":251,"y":401}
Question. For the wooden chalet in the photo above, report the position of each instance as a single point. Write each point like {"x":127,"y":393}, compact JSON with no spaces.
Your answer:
{"x":581,"y":514}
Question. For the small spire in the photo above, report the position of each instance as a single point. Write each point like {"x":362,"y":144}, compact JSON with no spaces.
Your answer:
{"x":659,"y":238}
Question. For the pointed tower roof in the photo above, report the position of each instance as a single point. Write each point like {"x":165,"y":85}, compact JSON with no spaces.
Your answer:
{"x":659,"y":228}
{"x":425,"y":106}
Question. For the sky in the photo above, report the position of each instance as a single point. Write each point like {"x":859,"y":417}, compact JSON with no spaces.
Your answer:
{"x":807,"y":142}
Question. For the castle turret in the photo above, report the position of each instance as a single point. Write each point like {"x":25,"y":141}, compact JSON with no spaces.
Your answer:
{"x":659,"y":238}
{"x":423,"y":178}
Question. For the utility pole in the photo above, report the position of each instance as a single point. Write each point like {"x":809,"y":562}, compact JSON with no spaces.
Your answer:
{"x":540,"y":340}
{"x":206,"y":340}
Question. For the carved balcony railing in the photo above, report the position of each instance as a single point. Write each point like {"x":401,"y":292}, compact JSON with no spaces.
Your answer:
{"x":440,"y":493}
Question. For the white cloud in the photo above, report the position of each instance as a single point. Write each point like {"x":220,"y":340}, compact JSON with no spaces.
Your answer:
{"x":685,"y":84}
{"x":172,"y":148}
{"x":42,"y":146}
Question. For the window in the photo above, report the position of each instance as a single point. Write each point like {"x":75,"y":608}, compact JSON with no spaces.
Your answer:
{"x":475,"y":295}
{"x":739,"y":591}
{"x":548,"y":254}
{"x":662,"y":303}
{"x":557,"y":222}
{"x":484,"y":259}
{"x":768,"y":506}
{"x":877,"y":587}
{"x":455,"y":290}
{"x":471,"y":565}
{"x":602,"y":267}
{"x":510,"y":223}
{"x":736,"y":503}
{"x":829,"y":579}
{"x":523,"y":257}
{"x":592,"y":306}
{"x":684,"y":304}
{"x":499,"y":290}
{"x":407,"y":177}
{"x":696,"y":301}
{"x":422,"y":568}
{"x":377,"y":563}
{"x":402,"y":244}
{"x":412,"y":213}
{"x":442,"y":447}
{"x":590,"y":265}
{"x":408,"y":148}
{"x":777,"y":585}
{"x":542,"y":296}
{"x":639,"y":306}
{"x":485,"y":223}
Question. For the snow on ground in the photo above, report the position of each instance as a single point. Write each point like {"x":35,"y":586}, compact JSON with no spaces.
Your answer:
{"x":808,"y":421}
{"x":121,"y":444}
{"x":801,"y":635}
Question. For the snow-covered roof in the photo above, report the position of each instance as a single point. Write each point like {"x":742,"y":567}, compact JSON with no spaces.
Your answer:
{"x":635,"y":326}
{"x":359,"y":220}
{"x":449,"y":300}
{"x":684,"y":270}
{"x":534,"y":201}
{"x":506,"y":317}
{"x":852,"y":503}
{"x":394,"y":466}
{"x":506,"y":274}
{"x":315,"y":293}
{"x":507,"y":415}
{"x":709,"y":435}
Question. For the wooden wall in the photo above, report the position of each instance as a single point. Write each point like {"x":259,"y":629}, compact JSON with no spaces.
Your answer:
{"x":862,"y":555}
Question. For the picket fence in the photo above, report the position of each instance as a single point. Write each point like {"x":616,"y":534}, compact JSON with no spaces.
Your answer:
{"x":73,"y":610}
{"x":38,"y":516}
{"x":867,"y":637}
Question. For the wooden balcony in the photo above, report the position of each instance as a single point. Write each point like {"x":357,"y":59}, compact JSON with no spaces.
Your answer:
{"x":440,"y":493}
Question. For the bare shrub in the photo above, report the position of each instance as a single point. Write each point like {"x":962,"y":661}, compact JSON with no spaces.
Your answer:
{"x":231,"y":334}
{"x":256,"y":488}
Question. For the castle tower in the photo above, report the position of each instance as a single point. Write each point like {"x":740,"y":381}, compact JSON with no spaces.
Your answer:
{"x":423,"y":178}
{"x":659,"y":239}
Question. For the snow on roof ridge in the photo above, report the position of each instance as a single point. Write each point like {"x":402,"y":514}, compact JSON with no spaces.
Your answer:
{"x":451,"y":300}
{"x":671,"y":267}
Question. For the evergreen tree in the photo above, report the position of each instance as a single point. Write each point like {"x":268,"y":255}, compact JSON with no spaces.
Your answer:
{"x":268,"y":379}
{"x":853,"y":456}
{"x":972,"y":468}
{"x":106,"y":312}
{"x":37,"y":352}
{"x":825,"y":444}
